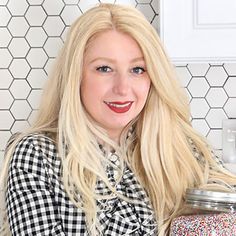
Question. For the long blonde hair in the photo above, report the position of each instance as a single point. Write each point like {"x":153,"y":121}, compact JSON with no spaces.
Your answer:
{"x":161,"y":151}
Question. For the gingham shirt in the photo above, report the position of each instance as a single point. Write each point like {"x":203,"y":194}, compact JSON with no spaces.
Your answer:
{"x":37,"y":203}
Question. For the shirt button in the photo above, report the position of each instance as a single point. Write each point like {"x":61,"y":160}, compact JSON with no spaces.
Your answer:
{"x":114,"y":158}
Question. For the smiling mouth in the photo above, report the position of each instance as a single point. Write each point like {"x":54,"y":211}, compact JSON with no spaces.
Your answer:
{"x":119,"y":107}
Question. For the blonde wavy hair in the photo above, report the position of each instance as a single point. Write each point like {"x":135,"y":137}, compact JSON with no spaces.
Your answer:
{"x":160,"y":152}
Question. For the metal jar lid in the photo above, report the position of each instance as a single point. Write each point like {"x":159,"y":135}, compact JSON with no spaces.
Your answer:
{"x":210,"y":195}
{"x":211,"y":200}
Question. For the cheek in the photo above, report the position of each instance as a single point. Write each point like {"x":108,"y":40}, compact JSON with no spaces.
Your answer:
{"x":83,"y":91}
{"x":143,"y":94}
{"x":86,"y":91}
{"x":92,"y":90}
{"x":144,"y":89}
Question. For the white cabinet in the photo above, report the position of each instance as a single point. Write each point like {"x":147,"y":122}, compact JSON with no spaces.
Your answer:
{"x":199,"y":30}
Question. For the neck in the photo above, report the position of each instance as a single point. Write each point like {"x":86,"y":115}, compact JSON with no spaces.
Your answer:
{"x":115,"y":137}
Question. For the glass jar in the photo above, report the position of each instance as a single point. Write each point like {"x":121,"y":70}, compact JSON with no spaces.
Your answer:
{"x":212,"y":213}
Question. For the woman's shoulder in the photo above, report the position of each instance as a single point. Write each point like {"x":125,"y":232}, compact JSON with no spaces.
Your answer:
{"x":35,"y":150}
{"x":37,"y":141}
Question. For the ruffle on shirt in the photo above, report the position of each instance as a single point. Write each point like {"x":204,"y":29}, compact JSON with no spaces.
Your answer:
{"x":119,"y":217}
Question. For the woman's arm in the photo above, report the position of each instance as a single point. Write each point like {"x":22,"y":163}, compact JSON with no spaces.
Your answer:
{"x":31,"y":205}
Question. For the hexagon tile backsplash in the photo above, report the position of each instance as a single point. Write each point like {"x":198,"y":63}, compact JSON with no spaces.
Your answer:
{"x":32,"y":31}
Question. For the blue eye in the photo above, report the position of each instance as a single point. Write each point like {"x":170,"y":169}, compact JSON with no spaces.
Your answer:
{"x":138,"y":70}
{"x":104,"y":69}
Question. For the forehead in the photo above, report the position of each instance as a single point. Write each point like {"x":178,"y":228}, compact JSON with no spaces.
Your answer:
{"x":113,"y":43}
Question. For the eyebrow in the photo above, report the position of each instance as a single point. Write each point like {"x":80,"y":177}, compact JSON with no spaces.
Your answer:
{"x":113,"y":60}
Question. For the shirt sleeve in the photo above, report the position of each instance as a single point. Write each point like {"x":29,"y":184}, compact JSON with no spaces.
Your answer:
{"x":30,"y":201}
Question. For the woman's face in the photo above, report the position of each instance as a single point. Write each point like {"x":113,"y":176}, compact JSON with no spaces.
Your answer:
{"x":115,"y":83}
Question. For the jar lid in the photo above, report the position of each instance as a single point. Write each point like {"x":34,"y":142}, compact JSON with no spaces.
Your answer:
{"x":210,"y":196}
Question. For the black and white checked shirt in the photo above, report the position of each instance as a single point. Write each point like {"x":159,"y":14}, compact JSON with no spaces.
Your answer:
{"x":37,"y":203}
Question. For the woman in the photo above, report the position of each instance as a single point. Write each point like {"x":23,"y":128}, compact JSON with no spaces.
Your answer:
{"x":112,"y":150}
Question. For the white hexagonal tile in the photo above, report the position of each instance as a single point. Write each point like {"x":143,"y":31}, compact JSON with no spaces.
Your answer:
{"x":230,"y":68}
{"x":37,"y":57}
{"x":70,"y":13}
{"x":216,"y":97}
{"x":156,"y":23}
{"x":214,"y":118}
{"x":183,"y":75}
{"x":215,"y":138}
{"x":5,"y":136}
{"x":6,"y":120}
{"x":34,"y":98}
{"x":198,"y":86}
{"x":5,"y":37}
{"x":6,"y":99}
{"x":230,"y":108}
{"x":216,"y":64}
{"x":188,"y":94}
{"x":20,"y":89}
{"x":198,"y":69}
{"x":35,"y":15}
{"x":65,"y":33}
{"x":20,"y":109}
{"x":17,"y":7}
{"x":19,"y":47}
{"x":35,"y":2}
{"x":2,"y":153}
{"x":36,"y":36}
{"x":53,"y":7}
{"x":216,"y":76}
{"x":37,"y":78}
{"x":18,"y":26}
{"x":6,"y":79}
{"x":147,"y":10}
{"x":201,"y":126}
{"x":68,"y":2}
{"x":54,"y":26}
{"x":181,"y":64}
{"x":230,"y":86}
{"x":143,"y":1}
{"x":85,"y":5}
{"x":19,"y":126}
{"x":5,"y":58}
{"x":156,"y":6}
{"x":32,"y":117}
{"x":19,"y":68}
{"x":4,"y":16}
{"x":49,"y":66}
{"x":199,"y":107}
{"x":127,"y":2}
{"x":3,"y":2}
{"x":53,"y":46}
{"x":107,"y":1}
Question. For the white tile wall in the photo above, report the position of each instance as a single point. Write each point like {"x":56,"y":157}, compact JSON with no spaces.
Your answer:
{"x":18,"y":26}
{"x":216,"y":76}
{"x":32,"y":31}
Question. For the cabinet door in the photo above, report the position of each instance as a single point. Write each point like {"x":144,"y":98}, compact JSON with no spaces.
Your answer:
{"x":199,"y":30}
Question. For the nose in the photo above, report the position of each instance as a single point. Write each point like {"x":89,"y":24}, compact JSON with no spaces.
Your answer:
{"x":121,"y":84}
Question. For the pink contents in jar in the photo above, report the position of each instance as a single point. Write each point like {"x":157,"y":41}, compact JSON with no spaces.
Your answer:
{"x":212,"y":213}
{"x":222,"y":224}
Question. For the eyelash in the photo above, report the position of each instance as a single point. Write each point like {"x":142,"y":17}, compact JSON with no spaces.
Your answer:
{"x":139,"y":68}
{"x":103,"y":68}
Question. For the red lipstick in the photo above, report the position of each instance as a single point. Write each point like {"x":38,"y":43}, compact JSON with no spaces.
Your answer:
{"x":119,"y":107}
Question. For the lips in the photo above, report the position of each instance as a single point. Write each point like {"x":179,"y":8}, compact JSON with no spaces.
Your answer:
{"x":119,"y":107}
